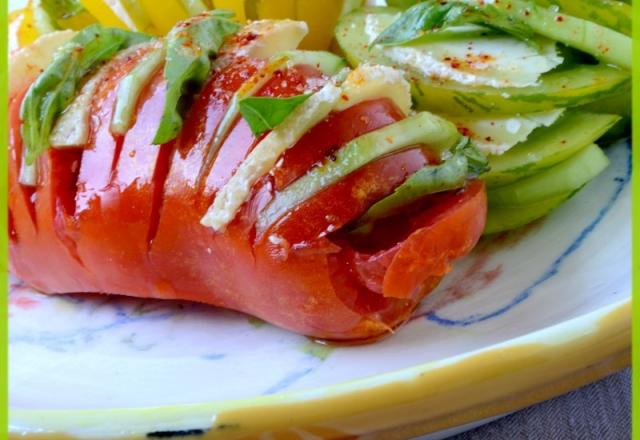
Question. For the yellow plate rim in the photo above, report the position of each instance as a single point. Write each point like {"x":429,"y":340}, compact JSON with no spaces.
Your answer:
{"x":423,"y":399}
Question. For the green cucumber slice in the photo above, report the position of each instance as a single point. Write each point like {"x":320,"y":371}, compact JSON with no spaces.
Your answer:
{"x":505,"y":218}
{"x":548,"y":146}
{"x":561,"y":88}
{"x":606,"y":45}
{"x":613,"y":14}
{"x":421,"y":129}
{"x":130,"y":89}
{"x":567,"y":176}
{"x":565,"y":88}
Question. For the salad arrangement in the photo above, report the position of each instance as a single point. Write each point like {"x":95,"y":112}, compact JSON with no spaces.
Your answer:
{"x":219,"y":163}
{"x":533,"y":86}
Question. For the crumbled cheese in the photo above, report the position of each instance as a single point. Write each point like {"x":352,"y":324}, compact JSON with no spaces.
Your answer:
{"x":373,"y":26}
{"x":493,"y":60}
{"x":373,"y":82}
{"x":513,"y":125}
{"x":270,"y":37}
{"x":263,"y":157}
{"x":72,"y":128}
{"x":499,"y":134}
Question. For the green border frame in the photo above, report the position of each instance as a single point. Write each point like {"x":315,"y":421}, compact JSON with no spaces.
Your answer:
{"x":635,"y":222}
{"x":4,"y":386}
{"x":4,"y":245}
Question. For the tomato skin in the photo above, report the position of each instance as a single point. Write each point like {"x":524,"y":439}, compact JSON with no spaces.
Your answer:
{"x":40,"y":251}
{"x":447,"y":230}
{"x":123,"y":216}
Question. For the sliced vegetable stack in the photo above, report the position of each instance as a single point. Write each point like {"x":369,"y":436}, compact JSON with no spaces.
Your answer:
{"x":221,"y":165}
{"x":534,"y":84}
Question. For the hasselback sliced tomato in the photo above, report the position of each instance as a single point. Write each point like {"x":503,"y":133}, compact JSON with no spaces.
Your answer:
{"x":122,"y":216}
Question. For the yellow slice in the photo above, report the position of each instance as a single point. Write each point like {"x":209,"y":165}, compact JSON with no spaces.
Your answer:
{"x":103,"y":13}
{"x":77,"y":22}
{"x":22,"y":31}
{"x":137,"y":16}
{"x":236,"y":6}
{"x":278,"y":9}
{"x":164,"y":14}
{"x":321,"y":16}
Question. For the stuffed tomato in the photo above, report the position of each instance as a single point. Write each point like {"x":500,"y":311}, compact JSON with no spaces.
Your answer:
{"x":220,"y":165}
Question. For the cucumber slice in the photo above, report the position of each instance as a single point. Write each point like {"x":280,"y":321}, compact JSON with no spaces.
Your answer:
{"x":130,"y":89}
{"x":560,"y":88}
{"x":607,"y":45}
{"x":566,"y":88}
{"x":613,"y":14}
{"x":326,"y":62}
{"x":505,"y":218}
{"x":548,"y":146}
{"x":615,"y":104}
{"x":567,"y":176}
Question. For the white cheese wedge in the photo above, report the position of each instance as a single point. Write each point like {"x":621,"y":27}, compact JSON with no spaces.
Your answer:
{"x":72,"y":127}
{"x":264,"y":156}
{"x":27,"y":63}
{"x":268,"y":37}
{"x":372,"y":82}
{"x":497,"y":135}
{"x":492,"y":60}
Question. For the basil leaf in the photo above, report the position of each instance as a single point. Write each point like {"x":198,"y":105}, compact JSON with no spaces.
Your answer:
{"x":432,"y":16}
{"x":419,"y":19}
{"x":264,"y":113}
{"x":449,"y":175}
{"x":465,"y":161}
{"x":477,"y":162}
{"x":56,"y":87}
{"x":191,"y":45}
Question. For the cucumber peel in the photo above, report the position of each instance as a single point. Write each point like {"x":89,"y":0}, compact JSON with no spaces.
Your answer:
{"x":505,"y":218}
{"x":567,"y":176}
{"x":616,"y":15}
{"x":548,"y":146}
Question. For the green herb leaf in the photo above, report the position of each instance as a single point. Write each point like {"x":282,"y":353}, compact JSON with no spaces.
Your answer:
{"x":419,"y":19}
{"x":432,"y":16}
{"x":56,"y":87}
{"x":264,"y":113}
{"x":465,"y":161}
{"x":478,"y":162}
{"x":191,"y":45}
{"x":432,"y":179}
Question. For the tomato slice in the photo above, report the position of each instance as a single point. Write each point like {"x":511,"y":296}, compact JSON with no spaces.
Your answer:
{"x":427,"y":242}
{"x":332,"y":133}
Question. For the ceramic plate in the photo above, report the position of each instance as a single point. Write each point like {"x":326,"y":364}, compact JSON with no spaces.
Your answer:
{"x":529,"y":315}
